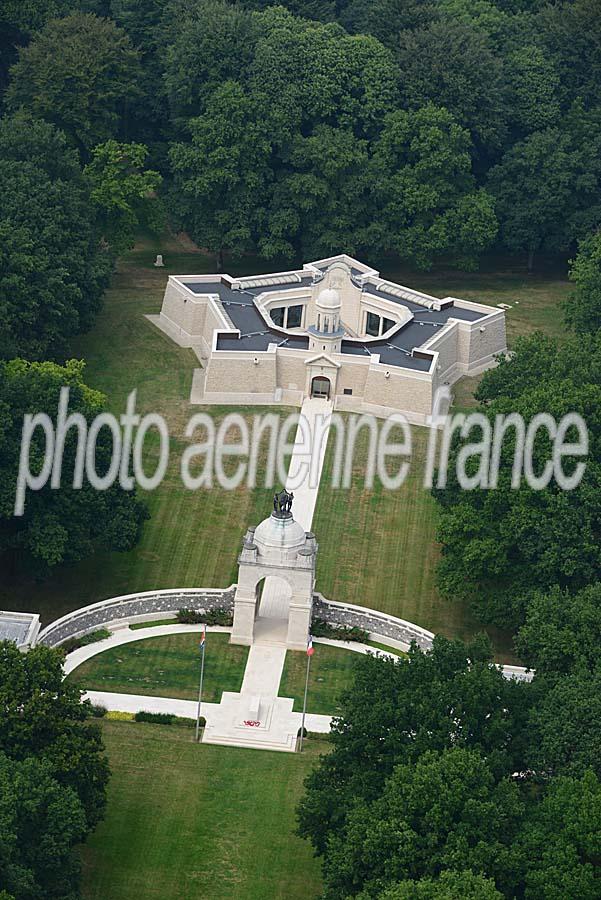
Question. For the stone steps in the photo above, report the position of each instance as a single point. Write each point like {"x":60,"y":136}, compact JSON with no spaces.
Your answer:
{"x":285,"y":745}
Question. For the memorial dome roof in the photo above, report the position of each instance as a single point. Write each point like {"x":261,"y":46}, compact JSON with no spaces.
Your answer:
{"x":279,"y":533}
{"x":329,"y":298}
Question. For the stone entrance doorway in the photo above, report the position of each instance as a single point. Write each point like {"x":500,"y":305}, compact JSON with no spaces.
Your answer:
{"x":321,"y":387}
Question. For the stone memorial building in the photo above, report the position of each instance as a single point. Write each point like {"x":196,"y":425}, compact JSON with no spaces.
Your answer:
{"x":332,"y":329}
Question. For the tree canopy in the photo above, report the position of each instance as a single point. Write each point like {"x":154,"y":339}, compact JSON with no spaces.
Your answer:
{"x":446,"y":780}
{"x":583,"y":307}
{"x":53,"y":775}
{"x":79,"y":73}
{"x":501,"y":546}
{"x":52,"y":270}
{"x":58,"y":525}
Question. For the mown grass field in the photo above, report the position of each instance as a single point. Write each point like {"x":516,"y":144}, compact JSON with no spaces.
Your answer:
{"x":167,"y":666}
{"x":190,"y":821}
{"x":331,"y":672}
{"x":382,"y":547}
{"x":376,"y":548}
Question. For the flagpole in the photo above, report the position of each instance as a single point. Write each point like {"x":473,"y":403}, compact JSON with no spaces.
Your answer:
{"x":202,"y":670}
{"x":305,"y":703}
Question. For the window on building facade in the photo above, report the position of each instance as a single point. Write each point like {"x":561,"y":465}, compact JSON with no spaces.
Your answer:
{"x":277,"y":316}
{"x":387,"y":325}
{"x":372,"y":326}
{"x":295,"y":316}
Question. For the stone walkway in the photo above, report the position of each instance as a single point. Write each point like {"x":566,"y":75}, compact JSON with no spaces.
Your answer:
{"x":317,"y":414}
{"x":257,"y":717}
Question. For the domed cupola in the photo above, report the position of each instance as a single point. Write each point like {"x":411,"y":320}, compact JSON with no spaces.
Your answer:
{"x":327,"y":331}
{"x":280,"y":538}
{"x":327,"y":307}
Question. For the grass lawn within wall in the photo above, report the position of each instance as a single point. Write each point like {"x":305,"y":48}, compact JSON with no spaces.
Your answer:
{"x":190,"y":821}
{"x":330,"y":674}
{"x":167,"y":667}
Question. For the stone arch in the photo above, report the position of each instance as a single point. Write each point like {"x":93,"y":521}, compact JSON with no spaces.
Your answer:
{"x":273,"y":594}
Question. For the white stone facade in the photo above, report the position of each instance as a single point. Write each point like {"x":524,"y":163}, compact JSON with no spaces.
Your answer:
{"x":279,"y":550}
{"x":335,"y":326}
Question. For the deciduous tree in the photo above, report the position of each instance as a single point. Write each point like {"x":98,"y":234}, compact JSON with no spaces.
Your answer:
{"x":448,"y":697}
{"x":121,"y":190}
{"x":445,"y":810}
{"x":583,"y":307}
{"x":547,"y":186}
{"x":221,"y":174}
{"x":453,"y":65}
{"x":448,"y":886}
{"x":424,"y":201}
{"x":42,"y":822}
{"x":43,"y":717}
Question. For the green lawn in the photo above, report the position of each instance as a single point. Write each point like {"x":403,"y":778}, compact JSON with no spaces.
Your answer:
{"x":331,"y":673}
{"x":534,"y":299}
{"x":134,"y":626}
{"x":193,"y":538}
{"x":167,"y":667}
{"x":380,"y":549}
{"x":191,"y":821}
{"x":376,"y":548}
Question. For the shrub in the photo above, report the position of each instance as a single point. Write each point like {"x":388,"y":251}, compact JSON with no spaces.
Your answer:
{"x":168,"y":719}
{"x":98,"y":711}
{"x":157,"y":718}
{"x":101,"y":634}
{"x":189,"y":616}
{"x":211,"y":617}
{"x":219,"y":617}
{"x":116,"y":715}
{"x":321,"y":628}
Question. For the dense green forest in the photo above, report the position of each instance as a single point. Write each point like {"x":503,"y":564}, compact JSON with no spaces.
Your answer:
{"x":431,"y":131}
{"x":427,"y":129}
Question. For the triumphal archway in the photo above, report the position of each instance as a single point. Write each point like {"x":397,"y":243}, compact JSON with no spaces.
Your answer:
{"x":276,"y":578}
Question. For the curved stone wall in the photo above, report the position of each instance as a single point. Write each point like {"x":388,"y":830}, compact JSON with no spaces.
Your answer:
{"x":157,"y":604}
{"x":347,"y":614}
{"x":135,"y":606}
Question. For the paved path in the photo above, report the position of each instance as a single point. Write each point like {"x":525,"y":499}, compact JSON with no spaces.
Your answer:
{"x":307,"y":458}
{"x":304,"y":474}
{"x":257,"y":717}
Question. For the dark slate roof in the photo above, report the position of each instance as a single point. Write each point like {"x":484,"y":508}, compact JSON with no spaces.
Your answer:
{"x":256,"y":336}
{"x":441,"y":316}
{"x":390,"y":353}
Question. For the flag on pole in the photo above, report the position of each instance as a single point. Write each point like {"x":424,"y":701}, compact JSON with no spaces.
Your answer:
{"x":310,"y":647}
{"x":203,"y":636}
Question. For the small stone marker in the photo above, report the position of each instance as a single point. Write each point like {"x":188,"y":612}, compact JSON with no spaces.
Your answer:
{"x":159,"y":261}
